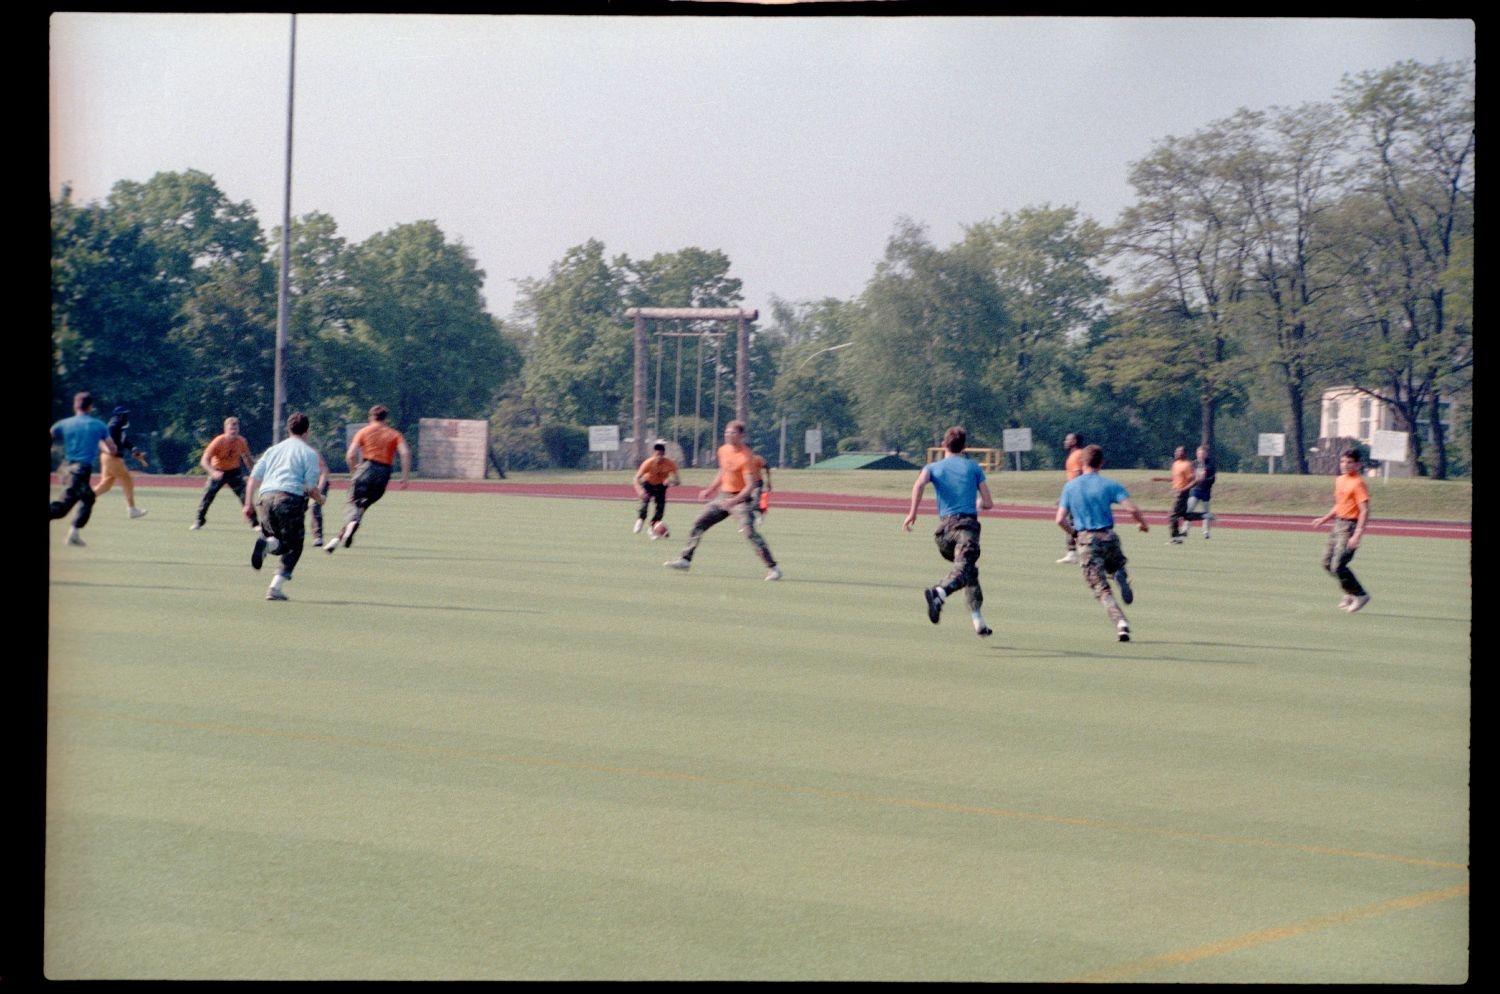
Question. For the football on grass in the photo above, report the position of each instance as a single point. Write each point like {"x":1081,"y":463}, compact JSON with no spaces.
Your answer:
{"x":660,"y":529}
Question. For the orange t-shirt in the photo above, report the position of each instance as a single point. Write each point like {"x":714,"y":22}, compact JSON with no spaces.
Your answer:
{"x":1074,"y":464}
{"x":225,"y":453}
{"x":734,"y":466}
{"x":1182,"y":474}
{"x":379,"y":442}
{"x":657,"y":471}
{"x":1348,"y":493}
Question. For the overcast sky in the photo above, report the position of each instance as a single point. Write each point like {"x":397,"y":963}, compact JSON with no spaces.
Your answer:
{"x":792,"y":144}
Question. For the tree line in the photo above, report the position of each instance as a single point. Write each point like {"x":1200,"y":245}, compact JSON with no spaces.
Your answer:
{"x":1265,"y":258}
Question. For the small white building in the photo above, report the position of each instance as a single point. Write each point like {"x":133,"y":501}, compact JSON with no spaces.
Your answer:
{"x":1349,"y":413}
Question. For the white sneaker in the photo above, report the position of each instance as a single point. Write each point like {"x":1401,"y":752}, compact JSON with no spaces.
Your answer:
{"x":637,"y":529}
{"x":1357,"y":603}
{"x":1070,"y":557}
{"x":74,"y":538}
{"x":775,"y":573}
{"x":272,"y":594}
{"x":195,"y":526}
{"x":678,"y":563}
{"x":136,"y":512}
{"x":1345,"y":601}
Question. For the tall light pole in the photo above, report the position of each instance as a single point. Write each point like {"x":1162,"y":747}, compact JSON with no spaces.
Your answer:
{"x":278,"y":402}
{"x":781,"y":457}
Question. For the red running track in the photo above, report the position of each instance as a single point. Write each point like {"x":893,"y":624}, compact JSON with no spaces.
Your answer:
{"x":845,"y":502}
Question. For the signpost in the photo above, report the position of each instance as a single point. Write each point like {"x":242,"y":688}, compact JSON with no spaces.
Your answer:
{"x":1017,"y":440}
{"x":1388,"y":447}
{"x":604,"y":439}
{"x":1271,"y":446}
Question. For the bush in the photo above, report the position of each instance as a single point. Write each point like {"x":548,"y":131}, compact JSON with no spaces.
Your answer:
{"x":566,"y":445}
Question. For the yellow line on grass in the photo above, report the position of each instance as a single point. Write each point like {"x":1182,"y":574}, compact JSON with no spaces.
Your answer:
{"x":1263,"y":936}
{"x":764,"y":785}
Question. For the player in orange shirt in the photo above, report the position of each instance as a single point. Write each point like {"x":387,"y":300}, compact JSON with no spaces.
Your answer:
{"x":651,"y":482}
{"x":378,"y":443}
{"x":731,"y":493}
{"x":1350,"y":513}
{"x":1182,"y":486}
{"x":1073,"y":465}
{"x":226,"y":460}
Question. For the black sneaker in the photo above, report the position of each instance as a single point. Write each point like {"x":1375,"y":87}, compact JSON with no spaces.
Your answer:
{"x":934,"y":604}
{"x":1126,"y":594}
{"x":258,"y":554}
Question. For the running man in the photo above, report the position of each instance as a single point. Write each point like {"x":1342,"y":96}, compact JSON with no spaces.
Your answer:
{"x":1088,"y":501}
{"x":114,"y":467}
{"x":83,"y":437}
{"x":1350,"y":513}
{"x":379,"y":444}
{"x":1205,"y":472}
{"x":731,"y":493}
{"x":1182,"y":482}
{"x":282,"y":482}
{"x":961,"y":491}
{"x":1072,"y":445}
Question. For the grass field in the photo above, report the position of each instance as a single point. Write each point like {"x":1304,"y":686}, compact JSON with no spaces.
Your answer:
{"x":496,"y":739}
{"x":1235,"y":493}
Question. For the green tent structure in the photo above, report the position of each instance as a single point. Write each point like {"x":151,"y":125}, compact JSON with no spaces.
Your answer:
{"x":865,"y":460}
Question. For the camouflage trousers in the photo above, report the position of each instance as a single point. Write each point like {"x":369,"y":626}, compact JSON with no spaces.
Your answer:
{"x":716,"y":511}
{"x":1336,"y":557}
{"x":1101,"y":557}
{"x":957,"y":538}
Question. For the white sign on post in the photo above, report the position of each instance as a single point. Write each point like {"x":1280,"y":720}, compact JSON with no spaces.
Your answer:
{"x":1271,"y":445}
{"x":1017,"y":440}
{"x":1389,"y":446}
{"x":604,"y":439}
{"x":812,"y":444}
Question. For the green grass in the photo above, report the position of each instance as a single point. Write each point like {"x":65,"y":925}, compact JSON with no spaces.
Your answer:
{"x":496,"y":739}
{"x":1235,"y":493}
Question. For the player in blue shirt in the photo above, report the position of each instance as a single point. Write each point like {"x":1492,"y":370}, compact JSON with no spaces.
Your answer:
{"x":1087,"y":500}
{"x":82,"y":436}
{"x":282,"y":482}
{"x":961,"y":491}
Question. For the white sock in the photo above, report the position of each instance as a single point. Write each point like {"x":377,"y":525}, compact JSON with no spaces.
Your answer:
{"x":276,"y":581}
{"x":272,"y":544}
{"x":942,"y":595}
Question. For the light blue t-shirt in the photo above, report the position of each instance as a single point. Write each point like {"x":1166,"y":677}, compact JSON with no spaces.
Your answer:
{"x":81,"y":435}
{"x":290,"y":466}
{"x":956,"y":480}
{"x":1088,"y":499}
